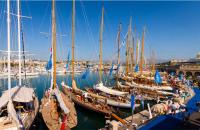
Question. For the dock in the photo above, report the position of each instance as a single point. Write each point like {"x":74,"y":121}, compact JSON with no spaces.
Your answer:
{"x":140,"y":118}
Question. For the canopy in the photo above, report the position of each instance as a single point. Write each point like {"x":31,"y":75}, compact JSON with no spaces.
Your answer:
{"x":104,"y":89}
{"x":18,"y":94}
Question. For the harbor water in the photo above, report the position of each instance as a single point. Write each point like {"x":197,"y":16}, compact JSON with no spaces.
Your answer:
{"x":87,"y":120}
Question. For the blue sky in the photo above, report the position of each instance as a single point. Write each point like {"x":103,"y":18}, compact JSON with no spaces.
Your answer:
{"x":173,"y":28}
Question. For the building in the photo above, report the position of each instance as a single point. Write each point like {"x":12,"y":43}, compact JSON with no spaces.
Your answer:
{"x":189,"y":67}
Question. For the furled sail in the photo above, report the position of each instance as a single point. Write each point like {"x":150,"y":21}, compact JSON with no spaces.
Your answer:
{"x":61,"y":102}
{"x":104,"y":89}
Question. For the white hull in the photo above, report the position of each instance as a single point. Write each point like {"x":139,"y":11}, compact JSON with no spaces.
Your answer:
{"x":133,"y":84}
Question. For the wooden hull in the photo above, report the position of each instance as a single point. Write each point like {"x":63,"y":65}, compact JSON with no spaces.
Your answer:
{"x":27,"y":118}
{"x":113,"y":102}
{"x":88,"y":105}
{"x":50,"y":113}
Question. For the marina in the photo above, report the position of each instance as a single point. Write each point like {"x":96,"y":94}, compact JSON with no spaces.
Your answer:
{"x":92,"y":71}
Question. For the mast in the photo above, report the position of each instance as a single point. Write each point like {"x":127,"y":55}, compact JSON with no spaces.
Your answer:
{"x":132,"y":58}
{"x":132,"y":53}
{"x":137,"y":51}
{"x":118,"y":51}
{"x":8,"y":40}
{"x":127,"y":62}
{"x":153,"y":61}
{"x":100,"y":55}
{"x":19,"y":41}
{"x":142,"y":53}
{"x":128,"y":47}
{"x":54,"y":43}
{"x":73,"y":34}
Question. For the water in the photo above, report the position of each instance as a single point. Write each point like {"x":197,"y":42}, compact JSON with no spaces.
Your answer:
{"x":87,"y":120}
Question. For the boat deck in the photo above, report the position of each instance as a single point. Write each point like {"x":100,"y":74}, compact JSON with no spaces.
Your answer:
{"x":5,"y":123}
{"x":142,"y":117}
{"x":51,"y":117}
{"x":92,"y":106}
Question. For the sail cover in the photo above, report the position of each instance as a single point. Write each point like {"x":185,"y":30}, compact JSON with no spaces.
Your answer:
{"x":61,"y":102}
{"x":18,"y":94}
{"x":12,"y":113}
{"x":104,"y":89}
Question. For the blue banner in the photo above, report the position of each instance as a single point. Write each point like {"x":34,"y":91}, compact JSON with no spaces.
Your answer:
{"x":136,"y":68}
{"x":68,"y":60}
{"x":132,"y":101}
{"x":157,"y":77}
{"x":49,"y":63}
{"x":85,"y":74}
{"x":111,"y":69}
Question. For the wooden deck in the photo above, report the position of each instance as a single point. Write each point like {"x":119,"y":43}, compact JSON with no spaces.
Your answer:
{"x":51,"y":117}
{"x":26,"y":117}
{"x":88,"y":105}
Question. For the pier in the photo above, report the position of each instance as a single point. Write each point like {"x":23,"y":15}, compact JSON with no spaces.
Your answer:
{"x":141,"y":118}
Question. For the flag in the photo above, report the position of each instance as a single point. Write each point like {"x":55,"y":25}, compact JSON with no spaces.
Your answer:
{"x":49,"y":63}
{"x":157,"y":77}
{"x":136,"y":68}
{"x":63,"y":123}
{"x":68,"y":60}
{"x":85,"y":74}
{"x":111,"y":69}
{"x":132,"y":102}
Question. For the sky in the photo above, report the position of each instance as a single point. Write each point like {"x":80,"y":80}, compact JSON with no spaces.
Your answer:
{"x":172,"y":28}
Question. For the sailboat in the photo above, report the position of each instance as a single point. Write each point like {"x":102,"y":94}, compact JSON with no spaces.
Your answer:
{"x":143,"y":80}
{"x":18,"y":105}
{"x":57,"y":109}
{"x":80,"y":97}
{"x":114,"y":97}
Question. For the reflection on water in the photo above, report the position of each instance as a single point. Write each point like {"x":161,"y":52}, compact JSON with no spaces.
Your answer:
{"x":87,"y":120}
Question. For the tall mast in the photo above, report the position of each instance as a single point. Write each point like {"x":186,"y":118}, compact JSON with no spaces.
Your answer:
{"x":132,"y":58}
{"x":128,"y":47}
{"x":142,"y":53}
{"x":73,"y":34}
{"x":100,"y":55}
{"x":54,"y":43}
{"x":118,"y":45}
{"x":137,"y":51}
{"x":153,"y":61}
{"x":132,"y":51}
{"x":19,"y":41}
{"x":8,"y":40}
